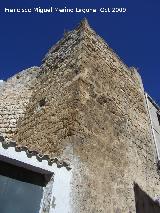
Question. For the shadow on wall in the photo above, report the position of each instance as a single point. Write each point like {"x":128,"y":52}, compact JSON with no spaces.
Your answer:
{"x":144,"y":204}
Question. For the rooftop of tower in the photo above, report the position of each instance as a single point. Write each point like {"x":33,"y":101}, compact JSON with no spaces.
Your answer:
{"x":82,"y":28}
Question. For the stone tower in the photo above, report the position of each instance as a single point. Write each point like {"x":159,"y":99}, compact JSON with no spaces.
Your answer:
{"x":86,"y":108}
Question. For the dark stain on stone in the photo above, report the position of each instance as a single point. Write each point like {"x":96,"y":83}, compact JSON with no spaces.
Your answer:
{"x":42,"y":102}
{"x":102,"y":99}
{"x":1,"y":138}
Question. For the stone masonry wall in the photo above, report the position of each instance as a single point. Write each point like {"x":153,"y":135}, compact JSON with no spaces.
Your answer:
{"x":88,"y":108}
{"x":119,"y":141}
{"x":14,"y":96}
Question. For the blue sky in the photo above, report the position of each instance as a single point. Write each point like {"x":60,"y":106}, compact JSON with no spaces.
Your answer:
{"x":134,"y":35}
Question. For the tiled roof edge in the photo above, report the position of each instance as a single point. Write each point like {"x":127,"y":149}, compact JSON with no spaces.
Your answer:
{"x":31,"y":153}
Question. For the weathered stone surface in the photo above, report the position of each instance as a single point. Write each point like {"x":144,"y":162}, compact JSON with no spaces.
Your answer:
{"x":14,"y":95}
{"x":85,"y":106}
